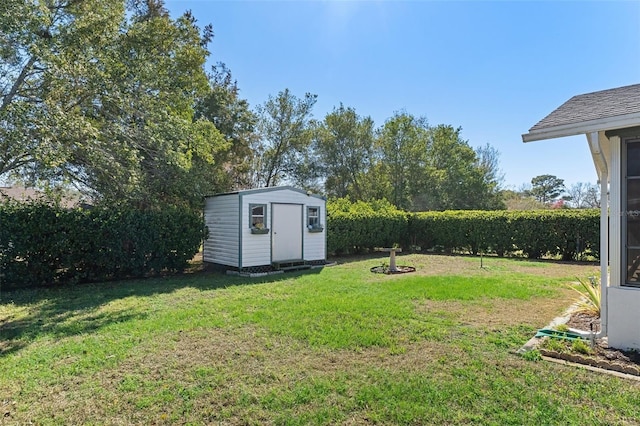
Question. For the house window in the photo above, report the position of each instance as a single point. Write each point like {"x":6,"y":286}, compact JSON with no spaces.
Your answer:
{"x":257,"y":216}
{"x":631,"y":219}
{"x":313,"y":219}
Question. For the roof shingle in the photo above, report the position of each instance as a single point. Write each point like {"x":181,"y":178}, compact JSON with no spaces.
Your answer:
{"x":593,"y":106}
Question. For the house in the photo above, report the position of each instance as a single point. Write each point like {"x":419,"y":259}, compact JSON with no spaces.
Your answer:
{"x":610,"y":120}
{"x":65,"y":199}
{"x":19,"y":193}
{"x":259,"y":230}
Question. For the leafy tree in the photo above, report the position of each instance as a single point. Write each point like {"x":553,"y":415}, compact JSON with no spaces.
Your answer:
{"x":456,"y":177}
{"x":489,"y":161}
{"x":547,"y":188}
{"x":158,"y":73}
{"x":343,"y":148}
{"x":44,"y":55}
{"x":402,"y":145}
{"x":375,"y":181}
{"x":233,"y":118}
{"x":101,"y":94}
{"x":284,"y":128}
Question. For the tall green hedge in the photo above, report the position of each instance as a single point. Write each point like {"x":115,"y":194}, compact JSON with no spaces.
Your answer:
{"x":42,"y":244}
{"x":356,"y":227}
{"x":571,"y":234}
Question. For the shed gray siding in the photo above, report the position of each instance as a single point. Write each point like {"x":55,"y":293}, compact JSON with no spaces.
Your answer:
{"x":222,"y":218}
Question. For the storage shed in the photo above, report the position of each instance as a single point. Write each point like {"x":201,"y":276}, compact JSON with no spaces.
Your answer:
{"x":265,"y":229}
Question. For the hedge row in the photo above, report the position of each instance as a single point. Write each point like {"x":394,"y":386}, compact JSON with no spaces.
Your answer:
{"x":571,"y":234}
{"x":42,"y":244}
{"x":360,"y":226}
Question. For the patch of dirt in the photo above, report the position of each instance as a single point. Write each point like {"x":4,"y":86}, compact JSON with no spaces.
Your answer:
{"x":496,"y":313}
{"x":584,"y":321}
{"x":438,"y":264}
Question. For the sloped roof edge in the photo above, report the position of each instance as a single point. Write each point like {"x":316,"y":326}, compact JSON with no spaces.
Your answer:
{"x":579,"y":128}
{"x":596,"y":111}
{"x":268,"y":189}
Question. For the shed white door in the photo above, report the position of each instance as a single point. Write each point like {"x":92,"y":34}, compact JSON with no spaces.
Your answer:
{"x":286,"y":235}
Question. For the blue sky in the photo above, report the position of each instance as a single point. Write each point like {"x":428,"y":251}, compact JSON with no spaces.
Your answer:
{"x":492,"y":68}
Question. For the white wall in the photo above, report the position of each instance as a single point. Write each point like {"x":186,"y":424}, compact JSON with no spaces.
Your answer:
{"x":624,"y":317}
{"x":256,"y":249}
{"x":230,"y":239}
{"x":315,"y":243}
{"x":221,"y":216}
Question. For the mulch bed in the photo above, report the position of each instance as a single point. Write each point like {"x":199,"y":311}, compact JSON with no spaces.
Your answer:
{"x":386,"y":270}
{"x":604,"y":357}
{"x":584,"y":321}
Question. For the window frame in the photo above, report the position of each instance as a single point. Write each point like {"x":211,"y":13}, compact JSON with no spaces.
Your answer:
{"x":627,"y":215}
{"x":256,"y":229}
{"x":317,"y":225}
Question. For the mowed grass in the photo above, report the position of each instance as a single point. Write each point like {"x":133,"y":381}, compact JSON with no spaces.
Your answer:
{"x":333,"y":346}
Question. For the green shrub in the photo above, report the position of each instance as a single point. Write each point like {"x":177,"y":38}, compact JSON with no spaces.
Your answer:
{"x":555,"y":345}
{"x":42,"y":244}
{"x":556,"y":232}
{"x":357,"y":227}
{"x":570,"y":234}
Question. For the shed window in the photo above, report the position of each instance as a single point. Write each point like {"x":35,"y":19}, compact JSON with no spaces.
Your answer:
{"x":313,"y":218}
{"x":257,"y":216}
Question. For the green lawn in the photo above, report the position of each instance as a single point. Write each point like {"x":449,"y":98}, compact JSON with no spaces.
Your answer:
{"x":333,"y":346}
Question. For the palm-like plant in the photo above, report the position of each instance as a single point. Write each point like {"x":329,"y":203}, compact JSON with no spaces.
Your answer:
{"x":591,"y":296}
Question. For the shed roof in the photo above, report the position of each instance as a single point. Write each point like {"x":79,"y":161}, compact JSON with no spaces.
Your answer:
{"x":591,"y":112}
{"x":269,"y":189}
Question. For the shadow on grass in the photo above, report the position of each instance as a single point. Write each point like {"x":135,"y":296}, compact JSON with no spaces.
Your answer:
{"x":354,"y":258}
{"x":15,"y":335}
{"x":64,"y":311}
